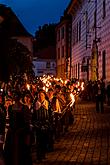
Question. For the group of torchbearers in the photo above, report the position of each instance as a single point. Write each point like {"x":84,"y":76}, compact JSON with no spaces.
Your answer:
{"x":35,"y":112}
{"x":30,"y":115}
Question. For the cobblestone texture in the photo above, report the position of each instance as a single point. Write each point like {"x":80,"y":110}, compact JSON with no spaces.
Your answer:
{"x":87,"y":141}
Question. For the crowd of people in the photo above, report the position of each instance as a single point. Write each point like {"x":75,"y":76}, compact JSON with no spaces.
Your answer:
{"x":97,"y":91}
{"x":29,"y":114}
{"x":36,"y":111}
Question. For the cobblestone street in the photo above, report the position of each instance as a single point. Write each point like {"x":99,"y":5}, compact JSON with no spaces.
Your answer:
{"x":87,"y":142}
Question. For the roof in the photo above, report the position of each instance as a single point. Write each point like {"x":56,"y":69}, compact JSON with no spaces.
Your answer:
{"x":11,"y":22}
{"x":71,"y":9}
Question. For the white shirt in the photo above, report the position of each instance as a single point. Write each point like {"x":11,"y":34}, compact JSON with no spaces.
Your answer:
{"x":39,"y":104}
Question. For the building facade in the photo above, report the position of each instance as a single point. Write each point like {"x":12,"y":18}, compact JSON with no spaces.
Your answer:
{"x":44,"y":67}
{"x":63,"y":47}
{"x":44,"y":61}
{"x":90,"y":53}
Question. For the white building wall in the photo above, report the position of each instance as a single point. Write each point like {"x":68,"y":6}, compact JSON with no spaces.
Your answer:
{"x":40,"y":67}
{"x":103,"y":32}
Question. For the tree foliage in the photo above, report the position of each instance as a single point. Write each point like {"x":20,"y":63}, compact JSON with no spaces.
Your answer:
{"x":19,"y":58}
{"x":45,"y":36}
{"x":15,"y":59}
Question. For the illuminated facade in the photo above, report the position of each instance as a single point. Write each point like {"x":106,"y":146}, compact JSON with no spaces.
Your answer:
{"x":90,"y":39}
{"x":63,"y":47}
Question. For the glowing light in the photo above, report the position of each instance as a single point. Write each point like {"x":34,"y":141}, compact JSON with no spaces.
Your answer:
{"x":66,"y":81}
{"x":72,"y":99}
{"x":28,"y":86}
{"x":82,"y":86}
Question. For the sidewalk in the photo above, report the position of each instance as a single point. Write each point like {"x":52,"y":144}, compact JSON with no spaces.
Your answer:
{"x":87,"y":141}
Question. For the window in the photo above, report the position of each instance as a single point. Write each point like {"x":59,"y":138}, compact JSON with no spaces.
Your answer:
{"x":58,"y":35}
{"x":77,"y":36}
{"x":80,"y":30}
{"x":40,"y":71}
{"x":74,"y":35}
{"x":88,"y":26}
{"x":62,"y":32}
{"x":53,"y":65}
{"x":76,"y":70}
{"x":58,"y":53}
{"x":104,"y":9}
{"x":48,"y":65}
{"x":104,"y":64}
{"x":62,"y":51}
{"x":95,"y":19}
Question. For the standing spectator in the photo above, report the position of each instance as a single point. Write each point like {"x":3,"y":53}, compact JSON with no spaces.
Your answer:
{"x":100,"y":97}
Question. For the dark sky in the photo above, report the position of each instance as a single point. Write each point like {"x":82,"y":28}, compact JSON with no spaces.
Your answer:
{"x":34,"y":13}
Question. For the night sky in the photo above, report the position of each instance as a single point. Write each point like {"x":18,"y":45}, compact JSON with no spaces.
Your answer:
{"x":35,"y":13}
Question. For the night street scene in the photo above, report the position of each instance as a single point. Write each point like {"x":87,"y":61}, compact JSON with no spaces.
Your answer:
{"x":54,"y":82}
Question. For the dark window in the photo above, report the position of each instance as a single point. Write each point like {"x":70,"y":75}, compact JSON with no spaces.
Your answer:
{"x":84,"y":68}
{"x":104,"y":64}
{"x":40,"y":71}
{"x":77,"y":34}
{"x":62,"y":51}
{"x":58,"y":53}
{"x":53,"y":65}
{"x":95,"y":19}
{"x":79,"y":30}
{"x":62,"y":32}
{"x":58,"y":35}
{"x":48,"y":65}
{"x":104,"y":9}
{"x":73,"y":37}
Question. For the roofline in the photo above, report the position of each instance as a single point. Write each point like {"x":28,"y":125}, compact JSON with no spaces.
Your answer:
{"x":72,"y":5}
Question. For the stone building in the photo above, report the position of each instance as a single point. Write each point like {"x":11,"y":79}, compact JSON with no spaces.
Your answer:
{"x":90,"y":46}
{"x":63,"y":47}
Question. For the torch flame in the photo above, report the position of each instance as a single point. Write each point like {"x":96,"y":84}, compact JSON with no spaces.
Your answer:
{"x":82,"y":86}
{"x":28,"y":86}
{"x":72,"y":99}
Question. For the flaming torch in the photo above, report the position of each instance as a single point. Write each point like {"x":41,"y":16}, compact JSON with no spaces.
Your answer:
{"x":72,"y":99}
{"x":28,"y":87}
{"x":82,"y":86}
